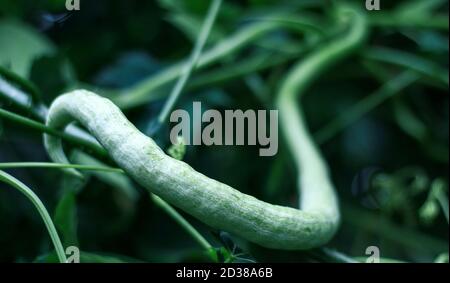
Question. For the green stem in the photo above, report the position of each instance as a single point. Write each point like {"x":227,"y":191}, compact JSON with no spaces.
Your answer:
{"x":185,"y":225}
{"x":50,"y":165}
{"x":338,"y":256}
{"x":8,"y":179}
{"x":26,"y":85}
{"x":187,"y":70}
{"x":95,"y":147}
{"x":21,"y":97}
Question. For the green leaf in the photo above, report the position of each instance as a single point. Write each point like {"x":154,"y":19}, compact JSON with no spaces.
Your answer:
{"x":127,"y":69}
{"x":20,"y":46}
{"x":63,"y":75}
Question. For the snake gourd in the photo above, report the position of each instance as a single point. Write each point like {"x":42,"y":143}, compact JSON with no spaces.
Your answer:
{"x":214,"y":203}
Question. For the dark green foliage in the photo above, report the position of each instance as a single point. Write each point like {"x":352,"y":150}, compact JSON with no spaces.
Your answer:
{"x":386,"y":107}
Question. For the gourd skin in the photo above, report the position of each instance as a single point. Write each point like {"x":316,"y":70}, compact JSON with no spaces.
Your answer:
{"x":216,"y":204}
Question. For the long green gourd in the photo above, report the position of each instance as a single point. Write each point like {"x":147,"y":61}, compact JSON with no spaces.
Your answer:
{"x":316,"y":190}
{"x":217,"y":204}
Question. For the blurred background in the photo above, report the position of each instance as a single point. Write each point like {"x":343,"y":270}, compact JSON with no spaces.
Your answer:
{"x":380,"y":117}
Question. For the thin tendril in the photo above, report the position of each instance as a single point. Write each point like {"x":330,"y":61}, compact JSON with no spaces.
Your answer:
{"x":189,"y":67}
{"x":8,"y":179}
